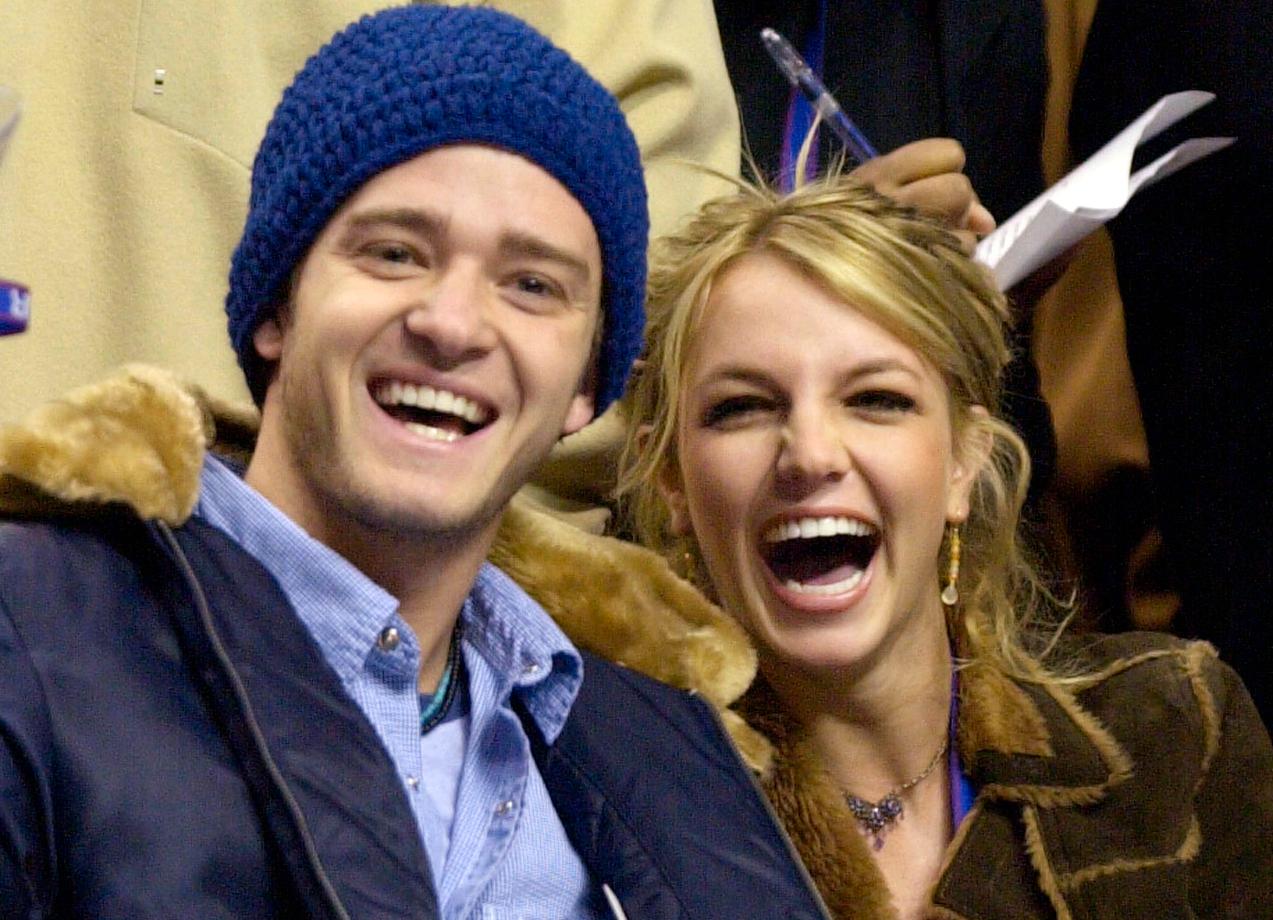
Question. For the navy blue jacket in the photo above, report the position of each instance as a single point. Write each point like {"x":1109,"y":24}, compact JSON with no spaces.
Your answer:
{"x":173,"y":744}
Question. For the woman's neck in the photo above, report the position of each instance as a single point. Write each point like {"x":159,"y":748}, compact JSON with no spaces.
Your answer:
{"x":879,"y":726}
{"x":876,"y":731}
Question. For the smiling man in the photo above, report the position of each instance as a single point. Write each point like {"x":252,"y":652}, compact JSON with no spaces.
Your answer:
{"x":290,"y":684}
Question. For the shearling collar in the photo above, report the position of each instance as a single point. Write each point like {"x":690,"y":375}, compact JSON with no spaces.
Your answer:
{"x":138,"y":439}
{"x":1032,"y":744}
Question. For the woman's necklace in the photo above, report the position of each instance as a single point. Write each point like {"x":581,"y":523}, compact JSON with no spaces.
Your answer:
{"x":876,"y":818}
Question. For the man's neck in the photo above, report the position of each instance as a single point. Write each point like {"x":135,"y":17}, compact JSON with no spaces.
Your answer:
{"x":429,"y":577}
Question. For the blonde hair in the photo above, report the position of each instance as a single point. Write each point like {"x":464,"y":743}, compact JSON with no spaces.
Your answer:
{"x":906,"y":273}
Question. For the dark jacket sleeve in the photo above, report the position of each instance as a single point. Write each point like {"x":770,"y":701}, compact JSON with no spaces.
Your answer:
{"x":1233,"y":873}
{"x":26,"y":856}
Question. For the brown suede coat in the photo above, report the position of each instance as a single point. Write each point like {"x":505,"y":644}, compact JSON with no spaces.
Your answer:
{"x":1147,"y":792}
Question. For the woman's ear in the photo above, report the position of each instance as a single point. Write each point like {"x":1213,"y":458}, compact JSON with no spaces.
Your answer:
{"x":973,"y":443}
{"x":672,"y":488}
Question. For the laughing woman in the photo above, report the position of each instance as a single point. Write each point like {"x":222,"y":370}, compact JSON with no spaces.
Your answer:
{"x":815,"y":439}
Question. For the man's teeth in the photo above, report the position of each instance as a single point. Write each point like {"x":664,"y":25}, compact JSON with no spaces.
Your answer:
{"x":810,"y":527}
{"x":839,"y":587}
{"x":426,"y":397}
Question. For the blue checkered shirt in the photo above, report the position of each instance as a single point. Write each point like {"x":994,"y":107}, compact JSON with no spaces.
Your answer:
{"x":496,"y":846}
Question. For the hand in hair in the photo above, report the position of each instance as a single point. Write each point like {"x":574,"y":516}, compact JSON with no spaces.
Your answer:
{"x":927,"y":176}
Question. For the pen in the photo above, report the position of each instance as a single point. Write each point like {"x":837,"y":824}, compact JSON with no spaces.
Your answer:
{"x":804,"y":79}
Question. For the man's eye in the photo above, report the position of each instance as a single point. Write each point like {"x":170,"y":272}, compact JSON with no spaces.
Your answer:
{"x":734,"y":410}
{"x":393,"y":252}
{"x":882,"y":401}
{"x":538,"y":286}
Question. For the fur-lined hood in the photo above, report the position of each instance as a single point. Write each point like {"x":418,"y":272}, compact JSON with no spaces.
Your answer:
{"x":138,"y":439}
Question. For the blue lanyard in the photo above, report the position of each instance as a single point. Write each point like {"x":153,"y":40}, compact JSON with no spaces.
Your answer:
{"x":962,"y":793}
{"x":800,"y":113}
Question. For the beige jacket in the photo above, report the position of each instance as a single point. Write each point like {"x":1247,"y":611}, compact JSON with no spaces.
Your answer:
{"x":125,"y":189}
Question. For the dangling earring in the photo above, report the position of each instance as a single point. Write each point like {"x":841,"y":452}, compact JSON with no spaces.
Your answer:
{"x":950,"y":593}
{"x":687,"y":568}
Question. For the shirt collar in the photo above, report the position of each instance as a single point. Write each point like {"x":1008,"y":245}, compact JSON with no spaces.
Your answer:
{"x":518,"y":641}
{"x":342,"y":608}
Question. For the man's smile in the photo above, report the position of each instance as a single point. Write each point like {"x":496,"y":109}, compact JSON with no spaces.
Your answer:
{"x":430,"y":412}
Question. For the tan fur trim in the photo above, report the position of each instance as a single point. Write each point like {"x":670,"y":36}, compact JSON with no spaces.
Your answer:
{"x":1119,"y":665}
{"x":1196,"y":655}
{"x":232,"y":426}
{"x":136,"y":438}
{"x":139,"y":438}
{"x":997,"y":715}
{"x":1042,"y":865}
{"x":1112,"y":754}
{"x":825,"y":835}
{"x":1186,"y":852}
{"x":623,"y":602}
{"x":936,"y":911}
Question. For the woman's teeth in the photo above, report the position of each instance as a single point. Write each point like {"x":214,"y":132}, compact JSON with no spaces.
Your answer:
{"x":839,"y":587}
{"x":810,"y":527}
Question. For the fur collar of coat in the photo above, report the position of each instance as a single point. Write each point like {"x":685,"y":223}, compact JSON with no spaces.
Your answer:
{"x":138,"y":439}
{"x":1144,"y":790}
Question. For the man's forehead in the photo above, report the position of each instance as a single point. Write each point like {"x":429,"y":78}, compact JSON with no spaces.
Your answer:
{"x":464,"y":188}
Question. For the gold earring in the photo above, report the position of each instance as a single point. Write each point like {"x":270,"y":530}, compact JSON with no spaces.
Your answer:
{"x":950,"y":593}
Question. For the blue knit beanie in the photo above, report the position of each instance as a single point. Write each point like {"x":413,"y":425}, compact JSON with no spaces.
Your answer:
{"x":408,"y":79}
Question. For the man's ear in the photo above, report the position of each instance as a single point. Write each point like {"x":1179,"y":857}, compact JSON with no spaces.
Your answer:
{"x":972,"y":448}
{"x":268,"y":340}
{"x":583,"y":405}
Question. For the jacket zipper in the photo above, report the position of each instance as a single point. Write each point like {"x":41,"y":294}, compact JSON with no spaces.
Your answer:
{"x":205,"y":619}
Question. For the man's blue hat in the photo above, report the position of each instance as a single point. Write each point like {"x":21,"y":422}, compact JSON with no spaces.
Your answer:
{"x":406,"y":80}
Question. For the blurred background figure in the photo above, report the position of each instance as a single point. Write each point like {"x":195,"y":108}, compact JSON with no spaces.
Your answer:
{"x":1193,"y":269}
{"x":130,"y":180}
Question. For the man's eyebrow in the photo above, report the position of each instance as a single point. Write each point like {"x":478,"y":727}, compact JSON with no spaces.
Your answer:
{"x":525,"y":245}
{"x":410,"y":219}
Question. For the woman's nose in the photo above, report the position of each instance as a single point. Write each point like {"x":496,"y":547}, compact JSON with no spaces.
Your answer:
{"x":814,"y":449}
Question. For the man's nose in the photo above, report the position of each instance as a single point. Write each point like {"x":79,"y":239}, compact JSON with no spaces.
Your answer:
{"x":450,"y":318}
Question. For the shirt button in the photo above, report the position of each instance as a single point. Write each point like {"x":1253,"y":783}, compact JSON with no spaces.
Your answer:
{"x":530,"y":670}
{"x":505,"y":807}
{"x":388,"y":639}
{"x":413,"y":782}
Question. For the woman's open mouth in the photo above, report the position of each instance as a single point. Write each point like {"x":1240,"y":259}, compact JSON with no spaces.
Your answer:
{"x":820,"y":555}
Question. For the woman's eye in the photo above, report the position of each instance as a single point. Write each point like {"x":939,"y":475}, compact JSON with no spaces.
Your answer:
{"x":734,"y":410}
{"x":882,"y":401}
